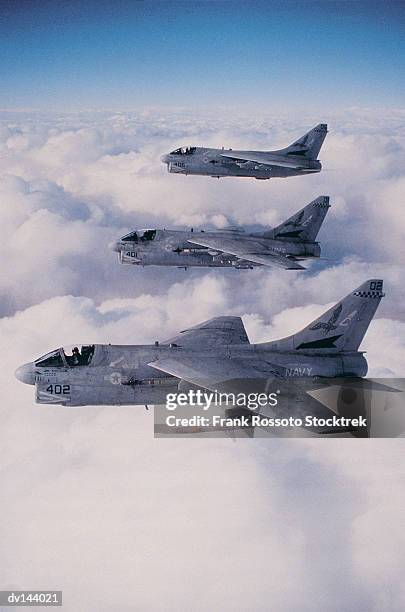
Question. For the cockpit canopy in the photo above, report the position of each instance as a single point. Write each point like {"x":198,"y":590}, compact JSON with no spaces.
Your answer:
{"x":62,"y":358}
{"x":140,"y":236}
{"x":184,"y":151}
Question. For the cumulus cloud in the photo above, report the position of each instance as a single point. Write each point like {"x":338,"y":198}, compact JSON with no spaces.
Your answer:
{"x":115,"y":518}
{"x":101,"y":175}
{"x":94,"y":505}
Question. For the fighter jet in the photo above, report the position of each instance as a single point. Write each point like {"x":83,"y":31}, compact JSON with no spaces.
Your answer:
{"x":298,"y":158}
{"x":214,"y":355}
{"x":283,"y":246}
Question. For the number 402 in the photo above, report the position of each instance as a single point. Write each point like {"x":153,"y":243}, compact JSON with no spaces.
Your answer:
{"x":59,"y":389}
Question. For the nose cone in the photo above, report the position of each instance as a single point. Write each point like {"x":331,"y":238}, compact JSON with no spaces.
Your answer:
{"x":113,"y":246}
{"x":25,"y":374}
{"x":164,"y":159}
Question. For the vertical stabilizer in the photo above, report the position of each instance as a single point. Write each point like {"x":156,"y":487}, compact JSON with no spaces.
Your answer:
{"x":342,"y":327}
{"x":309,"y":145}
{"x":306,"y":223}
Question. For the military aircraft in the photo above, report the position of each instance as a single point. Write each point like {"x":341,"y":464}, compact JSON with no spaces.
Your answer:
{"x":283,"y":246}
{"x":214,"y":355}
{"x":298,"y":158}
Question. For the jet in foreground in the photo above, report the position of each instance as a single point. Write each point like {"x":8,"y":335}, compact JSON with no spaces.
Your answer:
{"x":215,"y":355}
{"x":283,"y":246}
{"x":296,"y":159}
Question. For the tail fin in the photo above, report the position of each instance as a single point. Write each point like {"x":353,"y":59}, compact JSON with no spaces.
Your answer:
{"x":342,"y":327}
{"x":309,"y":145}
{"x":305,"y":224}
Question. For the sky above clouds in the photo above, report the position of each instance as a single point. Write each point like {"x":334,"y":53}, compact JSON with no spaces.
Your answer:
{"x":259,"y":54}
{"x":93,"y":504}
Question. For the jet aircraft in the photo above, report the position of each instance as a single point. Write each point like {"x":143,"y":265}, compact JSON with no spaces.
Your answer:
{"x":295,"y":160}
{"x":214,"y":355}
{"x":283,"y":246}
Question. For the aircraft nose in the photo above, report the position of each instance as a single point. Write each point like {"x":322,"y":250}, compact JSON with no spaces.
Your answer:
{"x":164,"y":159}
{"x":25,"y":374}
{"x":113,"y":246}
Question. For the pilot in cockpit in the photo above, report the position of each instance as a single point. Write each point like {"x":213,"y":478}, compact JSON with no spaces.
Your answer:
{"x":75,"y":356}
{"x":80,"y":358}
{"x":183,"y":151}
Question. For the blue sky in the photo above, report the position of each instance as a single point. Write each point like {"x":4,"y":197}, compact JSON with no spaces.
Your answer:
{"x":122,"y":55}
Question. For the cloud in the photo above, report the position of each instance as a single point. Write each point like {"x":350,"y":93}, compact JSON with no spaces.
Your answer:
{"x":120,"y":520}
{"x":114,"y":517}
{"x":102,"y":174}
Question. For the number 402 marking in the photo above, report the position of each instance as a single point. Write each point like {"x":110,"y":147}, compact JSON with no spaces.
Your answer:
{"x":59,"y":389}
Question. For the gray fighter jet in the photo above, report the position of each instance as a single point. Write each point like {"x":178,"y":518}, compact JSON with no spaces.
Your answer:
{"x":297,"y":159}
{"x":215,"y":355}
{"x":282,"y":246}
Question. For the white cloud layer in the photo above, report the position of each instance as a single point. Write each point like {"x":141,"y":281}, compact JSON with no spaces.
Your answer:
{"x":93,"y":504}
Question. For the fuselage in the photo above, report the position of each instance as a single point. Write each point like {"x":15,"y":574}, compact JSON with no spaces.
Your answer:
{"x":211,"y":162}
{"x":120,"y":375}
{"x":175,"y":248}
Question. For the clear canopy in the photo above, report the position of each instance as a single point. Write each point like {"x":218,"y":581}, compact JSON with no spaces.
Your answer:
{"x":60,"y":358}
{"x":140,"y":236}
{"x":184,"y":151}
{"x":51,"y":360}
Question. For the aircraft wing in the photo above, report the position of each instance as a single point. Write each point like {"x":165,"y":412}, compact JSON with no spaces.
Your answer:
{"x":247,"y":250}
{"x":255,"y":376}
{"x":219,"y":331}
{"x":219,"y":374}
{"x":261,"y":158}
